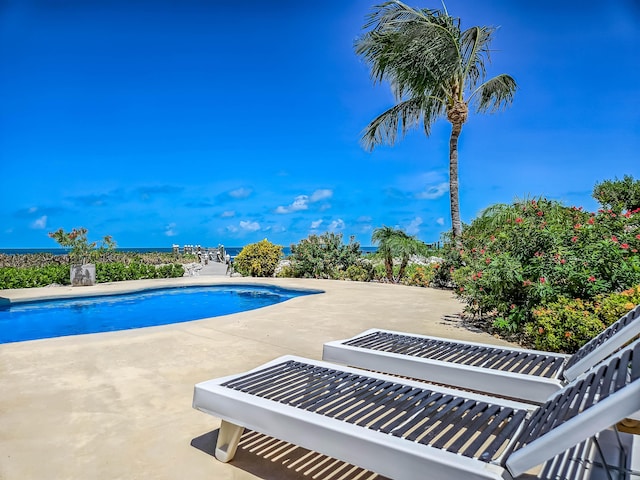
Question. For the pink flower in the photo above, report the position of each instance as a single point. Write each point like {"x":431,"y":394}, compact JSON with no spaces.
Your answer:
{"x":577,"y":226}
{"x":592,"y":278}
{"x":518,"y":220}
{"x":574,"y":239}
{"x":590,"y":221}
{"x":624,"y":245}
{"x":526,"y":283}
{"x":542,"y":279}
{"x":563,"y":261}
{"x":638,"y":236}
{"x":540,"y":213}
{"x":614,"y":239}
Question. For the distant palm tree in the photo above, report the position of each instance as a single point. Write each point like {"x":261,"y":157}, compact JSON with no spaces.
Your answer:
{"x":394,"y":243}
{"x":434,"y":69}
{"x":383,"y":238}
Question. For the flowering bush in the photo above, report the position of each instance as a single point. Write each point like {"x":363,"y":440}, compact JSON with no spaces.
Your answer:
{"x":515,"y":258}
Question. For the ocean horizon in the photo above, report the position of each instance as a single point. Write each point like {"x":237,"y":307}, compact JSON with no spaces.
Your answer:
{"x":232,"y":251}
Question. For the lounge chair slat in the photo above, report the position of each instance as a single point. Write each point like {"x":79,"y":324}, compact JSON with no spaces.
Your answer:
{"x":472,"y":427}
{"x":464,"y":414}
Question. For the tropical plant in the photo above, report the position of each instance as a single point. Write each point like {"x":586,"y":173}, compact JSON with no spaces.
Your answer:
{"x":81,"y":250}
{"x":324,"y":256}
{"x":258,"y":259}
{"x":618,"y":195}
{"x":435,"y":69}
{"x":395,"y":243}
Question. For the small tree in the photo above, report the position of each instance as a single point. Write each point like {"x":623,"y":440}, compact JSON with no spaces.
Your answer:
{"x":618,"y":195}
{"x":258,"y":259}
{"x":81,"y":250}
{"x":395,"y":243}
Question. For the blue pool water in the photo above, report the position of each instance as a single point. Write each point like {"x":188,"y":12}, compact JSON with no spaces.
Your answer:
{"x":79,"y":315}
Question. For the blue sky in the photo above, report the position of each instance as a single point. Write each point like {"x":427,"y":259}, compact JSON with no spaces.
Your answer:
{"x":201,"y":122}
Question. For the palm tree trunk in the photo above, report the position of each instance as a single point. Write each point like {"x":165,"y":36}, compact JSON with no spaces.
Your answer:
{"x":388,"y":265}
{"x":456,"y":224}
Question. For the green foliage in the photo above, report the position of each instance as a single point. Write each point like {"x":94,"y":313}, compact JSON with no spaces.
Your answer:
{"x":117,"y":271}
{"x":82,"y":251}
{"x":324,"y":256}
{"x":258,"y":259}
{"x":420,"y":275}
{"x":396,"y":244}
{"x":618,"y":195}
{"x":361,"y":272}
{"x":516,"y":258}
{"x":564,"y":325}
{"x":27,"y":277}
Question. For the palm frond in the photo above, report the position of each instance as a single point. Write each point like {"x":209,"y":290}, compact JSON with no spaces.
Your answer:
{"x":495,"y":94}
{"x":474,"y":46}
{"x":417,"y":47}
{"x":384,"y":128}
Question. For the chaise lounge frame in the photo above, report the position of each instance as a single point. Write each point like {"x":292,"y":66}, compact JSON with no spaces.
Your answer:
{"x":405,"y":429}
{"x":518,"y":373}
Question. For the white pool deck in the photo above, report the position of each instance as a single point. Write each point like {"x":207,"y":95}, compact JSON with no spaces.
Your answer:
{"x":117,"y":405}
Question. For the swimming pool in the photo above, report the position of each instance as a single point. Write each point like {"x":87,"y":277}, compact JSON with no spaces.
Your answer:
{"x":80,"y":315}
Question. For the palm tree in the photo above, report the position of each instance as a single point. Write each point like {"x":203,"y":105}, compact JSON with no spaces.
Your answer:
{"x":383,"y":237}
{"x":394,"y":243}
{"x":434,"y":69}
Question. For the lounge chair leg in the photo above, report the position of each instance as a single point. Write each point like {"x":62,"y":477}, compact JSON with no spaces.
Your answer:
{"x":228,"y":438}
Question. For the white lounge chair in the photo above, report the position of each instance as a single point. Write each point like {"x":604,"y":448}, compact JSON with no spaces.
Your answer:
{"x":529,"y":375}
{"x":405,"y":429}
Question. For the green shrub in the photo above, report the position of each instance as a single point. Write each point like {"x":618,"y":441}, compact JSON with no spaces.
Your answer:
{"x":362,"y":272}
{"x":28,"y":277}
{"x":419,"y":275}
{"x":565,"y":325}
{"x":258,"y":259}
{"x":117,"y":271}
{"x":286,"y":272}
{"x":614,"y":306}
{"x":324,"y":256}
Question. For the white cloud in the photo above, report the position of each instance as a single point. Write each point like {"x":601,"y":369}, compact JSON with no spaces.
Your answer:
{"x":435,"y":191}
{"x":33,"y":209}
{"x":300,"y":203}
{"x":228,"y":214}
{"x":414,"y":226}
{"x":40,"y":223}
{"x":320,"y":195}
{"x":440,"y":221}
{"x":232,"y":228}
{"x":336,"y":225}
{"x":316,"y":224}
{"x":240,"y":192}
{"x":170,"y":230}
{"x":249,"y":226}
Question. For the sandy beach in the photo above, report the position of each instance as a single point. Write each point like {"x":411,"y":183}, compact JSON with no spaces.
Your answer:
{"x":118,"y":405}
